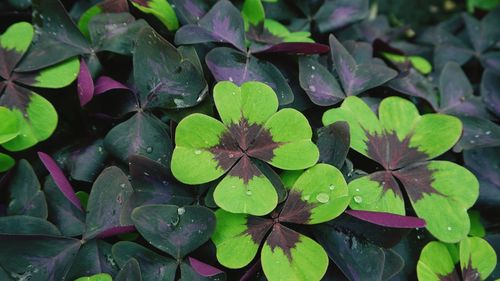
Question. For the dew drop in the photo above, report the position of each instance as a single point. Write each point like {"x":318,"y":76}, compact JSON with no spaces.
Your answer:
{"x":476,"y":136}
{"x":100,"y":149}
{"x":122,"y":185}
{"x":313,"y":67}
{"x":197,"y":152}
{"x":357,"y":189}
{"x":332,"y":187}
{"x":306,"y":197}
{"x":487,"y":132}
{"x":358,"y":199}
{"x":312,"y":88}
{"x":149,"y":149}
{"x":323,"y":197}
{"x":449,"y":228}
{"x":181,"y":211}
{"x":231,"y":79}
{"x":231,"y":155}
{"x":472,"y":141}
{"x":249,"y":192}
{"x":146,"y":173}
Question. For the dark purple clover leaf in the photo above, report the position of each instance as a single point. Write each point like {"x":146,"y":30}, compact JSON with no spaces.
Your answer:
{"x":206,"y":148}
{"x":484,"y":164}
{"x":491,"y":61}
{"x":153,"y":184}
{"x":66,"y":216}
{"x":162,"y":77}
{"x":319,"y":84}
{"x":202,"y":268}
{"x":231,"y":65}
{"x":26,"y":198}
{"x":333,"y":143}
{"x":106,"y":6}
{"x":356,"y":258}
{"x":174,"y":230}
{"x":142,"y":134}
{"x":402,"y":141}
{"x":315,"y":196}
{"x":336,"y":14}
{"x":449,"y":48}
{"x":36,"y":257}
{"x":27,"y":225}
{"x":190,"y":11}
{"x":223,"y":23}
{"x":387,"y":219}
{"x":110,"y":192}
{"x":131,"y":271}
{"x":358,"y":76}
{"x":417,"y":85}
{"x":490,"y":90}
{"x":483,"y":34}
{"x":94,"y":257}
{"x":152,"y":265}
{"x":456,"y":94}
{"x":478,"y":133}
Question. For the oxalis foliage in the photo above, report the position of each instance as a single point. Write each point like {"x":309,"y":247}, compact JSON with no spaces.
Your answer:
{"x":203,"y":140}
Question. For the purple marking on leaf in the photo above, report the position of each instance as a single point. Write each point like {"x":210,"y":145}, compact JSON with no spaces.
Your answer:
{"x":342,"y":15}
{"x":257,"y":228}
{"x":387,"y":181}
{"x":105,"y":83}
{"x":452,"y":276}
{"x":283,"y":238}
{"x":193,"y":9}
{"x":60,"y":179}
{"x":85,"y":84}
{"x":115,"y":231}
{"x":296,"y":48}
{"x":204,"y":269}
{"x":388,"y":219}
{"x":417,"y":180}
{"x":296,"y":210}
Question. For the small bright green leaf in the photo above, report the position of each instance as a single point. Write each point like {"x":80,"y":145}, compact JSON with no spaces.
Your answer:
{"x":6,"y":162}
{"x":253,"y":12}
{"x":306,"y":261}
{"x":83,"y":22}
{"x":83,"y":197}
{"x":161,"y":9}
{"x":37,"y":124}
{"x":477,"y":258}
{"x":378,"y":192}
{"x":435,"y":263}
{"x":192,"y":162}
{"x":174,"y":230}
{"x":418,"y":62}
{"x":9,"y":127}
{"x":254,"y":101}
{"x":97,"y":277}
{"x":324,"y":189}
{"x":476,"y":227}
{"x":235,"y":244}
{"x":257,"y":196}
{"x":398,"y":116}
{"x":291,"y":128}
{"x":57,"y":76}
{"x":17,"y":37}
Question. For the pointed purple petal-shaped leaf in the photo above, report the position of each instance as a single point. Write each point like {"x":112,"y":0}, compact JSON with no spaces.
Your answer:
{"x":105,"y":83}
{"x":203,"y":269}
{"x":59,"y":178}
{"x":336,"y":14}
{"x":85,"y":84}
{"x":388,"y":219}
{"x":490,"y":90}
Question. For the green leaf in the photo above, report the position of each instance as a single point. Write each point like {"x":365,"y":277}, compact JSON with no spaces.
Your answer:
{"x":419,"y":63}
{"x":257,"y":196}
{"x":238,"y":237}
{"x":97,"y":277}
{"x":6,"y":162}
{"x":320,"y":194}
{"x":56,"y":76}
{"x":378,"y":192}
{"x":291,"y":128}
{"x":14,"y":42}
{"x":435,"y":263}
{"x":161,"y":9}
{"x":36,"y":116}
{"x":195,"y":134}
{"x":476,"y":227}
{"x":9,"y":127}
{"x":447,"y":185}
{"x":26,"y":198}
{"x":477,"y":258}
{"x":253,"y":12}
{"x":174,"y":230}
{"x":307,"y":260}
{"x":153,"y":266}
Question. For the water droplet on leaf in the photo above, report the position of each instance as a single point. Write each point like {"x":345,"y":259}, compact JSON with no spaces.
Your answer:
{"x":358,"y":199}
{"x":332,"y":187}
{"x":149,"y":149}
{"x":181,"y":211}
{"x":197,"y":152}
{"x":323,"y":197}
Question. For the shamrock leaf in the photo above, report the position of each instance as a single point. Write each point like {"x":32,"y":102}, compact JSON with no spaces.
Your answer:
{"x":477,"y":261}
{"x":357,"y":72}
{"x":317,"y":195}
{"x":250,"y":128}
{"x":402,"y":142}
{"x":161,"y":9}
{"x":27,"y":106}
